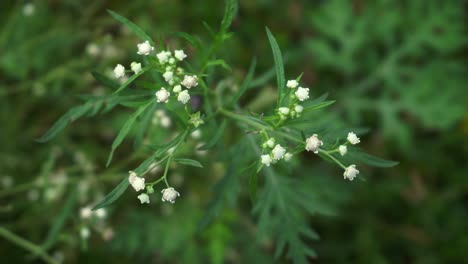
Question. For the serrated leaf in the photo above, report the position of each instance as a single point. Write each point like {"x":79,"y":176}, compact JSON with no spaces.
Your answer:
{"x":113,"y":195}
{"x":279,"y":66}
{"x":360,"y":156}
{"x":189,"y":162}
{"x":230,"y":12}
{"x":132,"y":26}
{"x":131,"y":79}
{"x":219,"y":133}
{"x":104,"y":80}
{"x":247,"y":80}
{"x":70,"y":116}
{"x":125,"y":129}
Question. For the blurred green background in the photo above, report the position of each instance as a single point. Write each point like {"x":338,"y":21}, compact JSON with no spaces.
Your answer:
{"x":396,"y":68}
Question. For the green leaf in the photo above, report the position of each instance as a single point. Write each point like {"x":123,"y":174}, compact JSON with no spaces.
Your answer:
{"x":125,"y":129}
{"x":360,"y":156}
{"x":60,"y":220}
{"x":219,"y":133}
{"x":221,"y":63}
{"x":279,"y":66}
{"x":189,"y":162}
{"x":131,"y":79}
{"x":104,"y":80}
{"x":113,"y":195}
{"x":245,"y":84}
{"x":230,"y":12}
{"x":136,"y":29}
{"x":195,"y":42}
{"x":318,"y":106}
{"x":70,"y":116}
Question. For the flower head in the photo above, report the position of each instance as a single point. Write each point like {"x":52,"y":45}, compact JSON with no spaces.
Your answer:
{"x":136,"y":67}
{"x":144,"y":198}
{"x":287,"y":156}
{"x":313,"y":143}
{"x":163,"y":56}
{"x":189,"y":81}
{"x":298,"y":108}
{"x":180,"y":55}
{"x":270,"y":142}
{"x":138,"y":183}
{"x":266,"y":159}
{"x":352,"y":138}
{"x":162,"y":95}
{"x":350,"y":172}
{"x":302,"y":93}
{"x":168,"y":76}
{"x":101,"y":213}
{"x":183,"y":97}
{"x":343,"y":149}
{"x":283,"y":110}
{"x":278,"y":152}
{"x":144,"y":48}
{"x":85,"y":212}
{"x":119,"y":71}
{"x":292,"y":84}
{"x":177,"y":89}
{"x":169,"y":195}
{"x":84,"y":232}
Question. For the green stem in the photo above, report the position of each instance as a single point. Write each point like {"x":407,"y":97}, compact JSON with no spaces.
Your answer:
{"x":25,"y":244}
{"x":332,"y":158}
{"x":166,"y":170}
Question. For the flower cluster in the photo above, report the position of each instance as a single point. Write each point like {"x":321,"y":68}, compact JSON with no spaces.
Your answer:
{"x":274,"y":153}
{"x":294,"y":108}
{"x":138,"y":183}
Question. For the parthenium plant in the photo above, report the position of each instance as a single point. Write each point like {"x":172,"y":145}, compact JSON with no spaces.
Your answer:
{"x":172,"y":82}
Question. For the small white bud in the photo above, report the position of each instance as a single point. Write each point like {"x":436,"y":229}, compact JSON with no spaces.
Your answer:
{"x":180,"y":55}
{"x":266,"y":159}
{"x":177,"y":89}
{"x":270,"y":142}
{"x":169,"y":195}
{"x":84,"y":232}
{"x":283,"y":110}
{"x":287,"y":156}
{"x":298,"y":108}
{"x":162,"y":95}
{"x":163,"y":57}
{"x":119,"y":71}
{"x":183,"y":97}
{"x":353,"y":139}
{"x":292,"y":84}
{"x":144,"y":198}
{"x":302,"y":93}
{"x":86,"y":212}
{"x":189,"y":81}
{"x":350,"y":172}
{"x":29,"y":9}
{"x":343,"y":149}
{"x":166,"y":121}
{"x":196,"y":134}
{"x":144,"y":48}
{"x":168,"y":76}
{"x":101,"y":213}
{"x":136,"y":67}
{"x":313,"y":143}
{"x":278,"y":152}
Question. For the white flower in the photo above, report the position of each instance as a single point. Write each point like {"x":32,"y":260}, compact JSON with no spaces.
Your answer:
{"x":313,"y":143}
{"x":171,"y":61}
{"x":283,"y":110}
{"x":168,"y":76}
{"x":352,"y":138}
{"x":138,"y":183}
{"x":162,"y":95}
{"x":177,"y":89}
{"x":101,"y":213}
{"x":84,"y":232}
{"x":180,"y":55}
{"x":343,"y":149}
{"x":136,"y":67}
{"x":144,"y":198}
{"x":292,"y":84}
{"x":119,"y":71}
{"x":302,"y":93}
{"x":266,"y":159}
{"x":144,"y":48}
{"x":169,"y":195}
{"x":298,"y":108}
{"x":270,"y":142}
{"x":350,"y":172}
{"x":85,"y":212}
{"x":93,"y":49}
{"x":287,"y":156}
{"x":278,"y":152}
{"x":183,"y":97}
{"x":189,"y":81}
{"x":163,"y":56}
